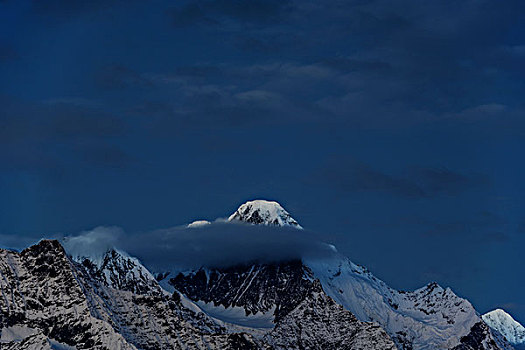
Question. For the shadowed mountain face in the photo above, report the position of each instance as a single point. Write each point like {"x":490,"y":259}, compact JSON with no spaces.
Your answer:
{"x":279,"y":287}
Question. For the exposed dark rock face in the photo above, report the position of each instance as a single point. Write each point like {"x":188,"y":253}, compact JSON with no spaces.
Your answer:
{"x":305,"y":317}
{"x":482,"y":338}
{"x":41,"y":294}
{"x":256,"y":288}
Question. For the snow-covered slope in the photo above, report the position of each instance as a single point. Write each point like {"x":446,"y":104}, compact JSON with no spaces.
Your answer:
{"x":502,"y":322}
{"x":431,"y":317}
{"x":118,"y":270}
{"x":262,"y":212}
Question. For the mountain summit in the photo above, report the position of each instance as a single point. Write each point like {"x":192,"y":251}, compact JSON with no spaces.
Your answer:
{"x":502,"y":322}
{"x":263,"y":212}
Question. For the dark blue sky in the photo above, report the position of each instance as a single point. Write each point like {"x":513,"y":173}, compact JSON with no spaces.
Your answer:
{"x":396,"y":127}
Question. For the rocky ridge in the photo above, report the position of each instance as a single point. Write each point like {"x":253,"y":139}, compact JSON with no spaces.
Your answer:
{"x":52,"y":300}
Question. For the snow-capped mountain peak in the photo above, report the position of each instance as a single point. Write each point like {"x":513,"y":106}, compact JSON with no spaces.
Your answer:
{"x":119,"y":270}
{"x":319,"y":302}
{"x":502,"y":322}
{"x":263,"y":212}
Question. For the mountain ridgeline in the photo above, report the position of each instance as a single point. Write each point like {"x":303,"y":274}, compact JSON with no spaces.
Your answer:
{"x":52,"y":300}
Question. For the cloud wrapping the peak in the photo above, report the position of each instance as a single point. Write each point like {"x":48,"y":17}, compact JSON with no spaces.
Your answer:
{"x":217,"y":244}
{"x":93,"y":243}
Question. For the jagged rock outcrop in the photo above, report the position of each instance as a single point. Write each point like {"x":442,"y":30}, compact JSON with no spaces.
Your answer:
{"x":40,"y":291}
{"x":49,"y":299}
{"x":257,"y":288}
{"x":481,"y":337}
{"x":318,"y":322}
{"x":120,"y":271}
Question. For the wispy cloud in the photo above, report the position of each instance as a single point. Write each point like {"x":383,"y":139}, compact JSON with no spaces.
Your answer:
{"x":214,"y":245}
{"x":351,"y":175}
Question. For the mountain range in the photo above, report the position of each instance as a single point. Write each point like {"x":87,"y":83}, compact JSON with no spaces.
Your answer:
{"x":52,"y":299}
